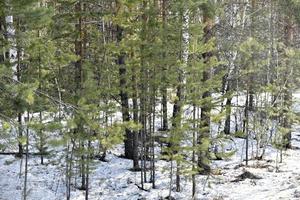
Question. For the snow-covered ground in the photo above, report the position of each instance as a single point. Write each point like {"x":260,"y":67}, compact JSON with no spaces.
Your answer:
{"x":113,"y":180}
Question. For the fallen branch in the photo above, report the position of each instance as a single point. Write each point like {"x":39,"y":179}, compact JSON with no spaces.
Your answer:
{"x":246,"y":175}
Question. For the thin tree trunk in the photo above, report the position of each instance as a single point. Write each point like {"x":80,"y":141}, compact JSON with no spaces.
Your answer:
{"x":144,"y":91}
{"x":194,"y":154}
{"x":136,"y":120}
{"x":252,"y":34}
{"x":246,"y":126}
{"x":26,"y":160}
{"x":87,"y":171}
{"x":287,"y":97}
{"x":19,"y":79}
{"x":153,"y":147}
{"x":164,"y":71}
{"x":228,"y":111}
{"x":68,"y":191}
{"x":171,"y":179}
{"x":79,"y":43}
{"x":41,"y":141}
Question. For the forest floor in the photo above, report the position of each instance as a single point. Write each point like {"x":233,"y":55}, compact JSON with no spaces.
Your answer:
{"x":114,"y":181}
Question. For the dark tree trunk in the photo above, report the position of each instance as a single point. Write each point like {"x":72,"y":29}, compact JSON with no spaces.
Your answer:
{"x":246,"y":126}
{"x":144,"y":94}
{"x":228,"y":111}
{"x":194,"y":184}
{"x":2,"y":37}
{"x":177,"y":123}
{"x":26,"y":161}
{"x":128,"y":142}
{"x":20,"y":131}
{"x":87,"y":172}
{"x":252,"y":78}
{"x":79,"y":50}
{"x":164,"y":72}
{"x":205,"y":132}
{"x":203,"y":154}
{"x":136,"y":120}
{"x":287,"y":99}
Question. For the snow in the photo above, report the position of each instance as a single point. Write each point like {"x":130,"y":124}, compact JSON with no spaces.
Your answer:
{"x":274,"y":185}
{"x":42,"y":184}
{"x":113,"y":180}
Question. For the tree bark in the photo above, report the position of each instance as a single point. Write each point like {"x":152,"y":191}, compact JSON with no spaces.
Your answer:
{"x":165,"y":125}
{"x":26,"y":161}
{"x":203,"y":155}
{"x":136,"y":120}
{"x":287,"y":96}
{"x":228,"y":111}
{"x":128,"y":142}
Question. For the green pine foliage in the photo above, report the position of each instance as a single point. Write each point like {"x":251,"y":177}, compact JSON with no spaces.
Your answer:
{"x":95,"y":74}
